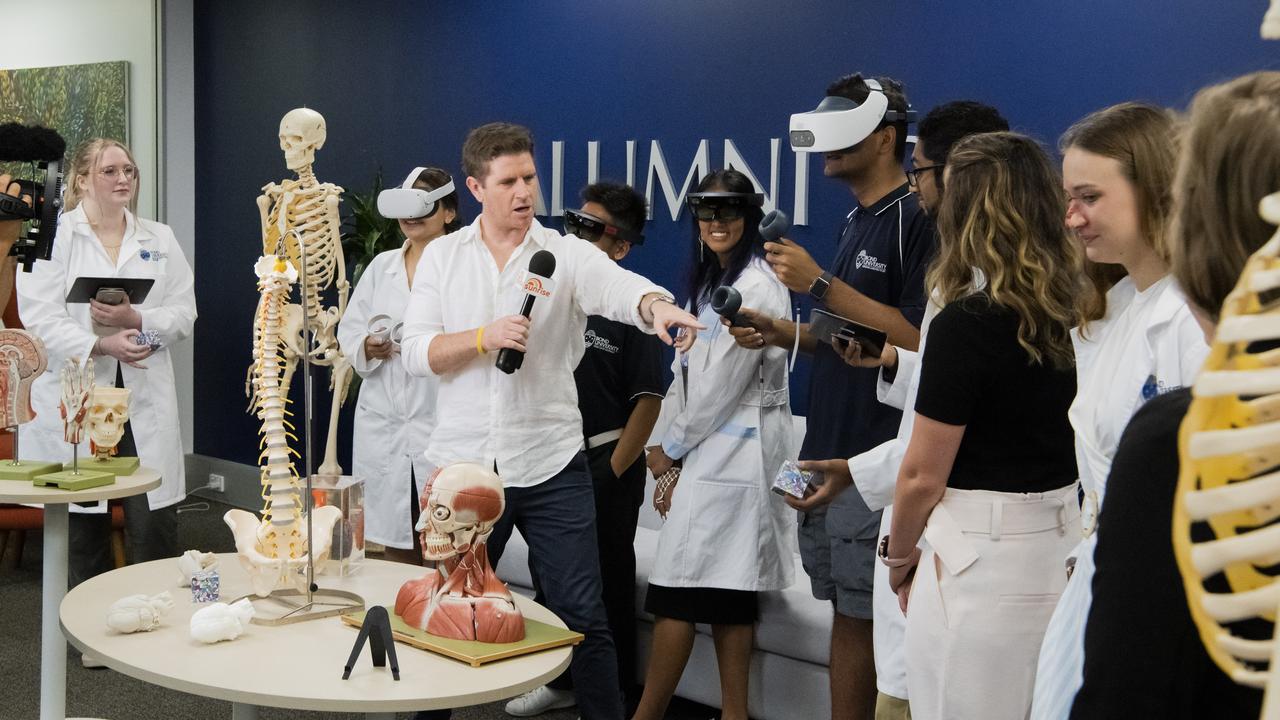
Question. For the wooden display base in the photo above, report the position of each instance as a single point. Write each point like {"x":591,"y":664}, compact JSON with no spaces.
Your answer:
{"x":538,"y":636}
{"x":27,"y":470}
{"x":114,"y":465}
{"x":68,"y":480}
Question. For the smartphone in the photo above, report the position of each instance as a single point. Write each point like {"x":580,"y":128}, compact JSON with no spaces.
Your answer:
{"x":110,"y":295}
{"x":834,"y":329}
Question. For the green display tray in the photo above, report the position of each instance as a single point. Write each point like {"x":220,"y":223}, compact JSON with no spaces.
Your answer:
{"x":27,"y":470}
{"x":67,"y":480}
{"x":538,"y":636}
{"x":116,"y":466}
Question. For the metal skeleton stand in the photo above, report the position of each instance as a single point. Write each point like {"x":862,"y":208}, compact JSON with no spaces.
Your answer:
{"x":316,"y":602}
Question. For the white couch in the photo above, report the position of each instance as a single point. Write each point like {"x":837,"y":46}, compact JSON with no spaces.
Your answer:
{"x":789,"y":662}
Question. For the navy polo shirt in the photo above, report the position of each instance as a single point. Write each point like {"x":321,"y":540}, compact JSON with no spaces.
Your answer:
{"x":883,"y":254}
{"x":620,"y":364}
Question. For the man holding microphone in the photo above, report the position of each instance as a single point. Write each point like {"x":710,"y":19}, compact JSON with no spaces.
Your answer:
{"x":526,"y":423}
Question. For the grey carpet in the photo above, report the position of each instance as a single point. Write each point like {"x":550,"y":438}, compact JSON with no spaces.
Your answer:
{"x":103,"y":693}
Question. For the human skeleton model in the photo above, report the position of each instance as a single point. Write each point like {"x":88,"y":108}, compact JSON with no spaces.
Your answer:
{"x":108,"y":412}
{"x":24,"y":360}
{"x":462,"y":598}
{"x":274,"y":550}
{"x":77,"y":386}
{"x":302,"y":215}
{"x":1230,"y":447}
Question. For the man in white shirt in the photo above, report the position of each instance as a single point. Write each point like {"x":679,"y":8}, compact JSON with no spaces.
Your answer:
{"x":527,"y":423}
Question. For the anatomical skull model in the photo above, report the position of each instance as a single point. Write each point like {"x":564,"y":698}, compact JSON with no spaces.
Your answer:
{"x":274,"y":550}
{"x":108,"y":412}
{"x":77,"y":386}
{"x":462,"y":598}
{"x":24,"y":359}
{"x":302,"y":215}
{"x":1230,"y":445}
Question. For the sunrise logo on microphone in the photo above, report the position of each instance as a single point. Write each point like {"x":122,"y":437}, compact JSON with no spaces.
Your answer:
{"x":534,"y":286}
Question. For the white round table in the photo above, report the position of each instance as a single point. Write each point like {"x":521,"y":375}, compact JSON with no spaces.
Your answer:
{"x":53,"y":649}
{"x":297,"y":666}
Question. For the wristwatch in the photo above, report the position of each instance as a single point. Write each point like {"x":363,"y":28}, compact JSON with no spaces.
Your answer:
{"x":821,"y":284}
{"x":882,"y":552}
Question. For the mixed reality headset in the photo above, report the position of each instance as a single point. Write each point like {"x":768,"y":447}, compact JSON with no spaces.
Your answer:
{"x":711,"y":206}
{"x":839,"y":123}
{"x":410,"y":203}
{"x":591,"y":228}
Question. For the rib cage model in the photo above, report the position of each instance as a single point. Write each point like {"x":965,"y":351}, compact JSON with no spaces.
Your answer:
{"x":1230,"y":473}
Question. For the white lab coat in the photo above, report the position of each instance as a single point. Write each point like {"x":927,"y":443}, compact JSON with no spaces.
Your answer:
{"x":149,"y":250}
{"x":1144,"y":346}
{"x":395,"y":412}
{"x":732,"y":427}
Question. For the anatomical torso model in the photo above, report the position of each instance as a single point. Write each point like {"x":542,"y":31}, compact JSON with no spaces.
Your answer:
{"x":462,"y":598}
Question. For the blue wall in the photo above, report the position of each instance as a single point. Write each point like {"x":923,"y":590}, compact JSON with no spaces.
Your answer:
{"x":400,"y":83}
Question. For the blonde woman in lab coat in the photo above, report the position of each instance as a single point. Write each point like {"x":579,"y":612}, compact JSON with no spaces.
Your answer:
{"x":1140,"y":339}
{"x":100,"y":236}
{"x":395,"y":412}
{"x":727,"y":418}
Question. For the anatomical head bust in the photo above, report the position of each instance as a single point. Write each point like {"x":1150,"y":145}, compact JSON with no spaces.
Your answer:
{"x":108,"y":412}
{"x":464,"y":501}
{"x":302,"y":133}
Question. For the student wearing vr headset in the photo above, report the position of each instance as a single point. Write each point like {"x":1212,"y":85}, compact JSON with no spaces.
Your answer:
{"x":619,"y":381}
{"x":727,"y":417}
{"x":876,"y":279}
{"x":395,"y":412}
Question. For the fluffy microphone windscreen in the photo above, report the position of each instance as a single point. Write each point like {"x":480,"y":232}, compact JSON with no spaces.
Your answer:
{"x":542,"y":263}
{"x":19,"y":143}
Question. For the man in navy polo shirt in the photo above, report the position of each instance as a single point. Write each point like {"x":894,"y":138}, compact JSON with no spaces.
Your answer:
{"x":876,"y":279}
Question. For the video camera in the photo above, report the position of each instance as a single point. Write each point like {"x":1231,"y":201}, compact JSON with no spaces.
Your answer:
{"x":42,"y":149}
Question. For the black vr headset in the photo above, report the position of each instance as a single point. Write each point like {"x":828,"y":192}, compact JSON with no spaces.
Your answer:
{"x":591,"y":228}
{"x":41,"y":149}
{"x":726,"y":206}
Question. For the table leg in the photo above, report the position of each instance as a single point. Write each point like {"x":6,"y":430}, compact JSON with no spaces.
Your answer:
{"x":53,"y":647}
{"x":241,"y":711}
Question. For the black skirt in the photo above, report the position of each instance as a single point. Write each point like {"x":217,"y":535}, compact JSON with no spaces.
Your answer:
{"x":715,"y":606}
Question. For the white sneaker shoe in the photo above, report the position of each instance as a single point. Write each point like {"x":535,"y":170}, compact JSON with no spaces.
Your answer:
{"x":540,"y":700}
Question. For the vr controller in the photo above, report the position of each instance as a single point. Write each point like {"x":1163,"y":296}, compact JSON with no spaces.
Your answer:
{"x":41,"y":149}
{"x":410,"y":203}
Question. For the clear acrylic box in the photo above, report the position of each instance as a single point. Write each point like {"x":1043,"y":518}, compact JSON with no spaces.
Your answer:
{"x":346,"y":554}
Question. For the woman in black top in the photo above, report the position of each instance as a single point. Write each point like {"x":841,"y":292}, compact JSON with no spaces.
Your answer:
{"x":1143,"y":656}
{"x":989,"y":473}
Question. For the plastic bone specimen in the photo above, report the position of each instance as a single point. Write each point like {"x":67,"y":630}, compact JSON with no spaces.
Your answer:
{"x":1271,"y":22}
{"x":194,"y":561}
{"x":138,"y":613}
{"x":77,"y":385}
{"x":1230,"y":447}
{"x":299,"y":215}
{"x":221,"y":621}
{"x":274,"y":549}
{"x":462,"y":598}
{"x":108,"y":412}
{"x":24,"y":359}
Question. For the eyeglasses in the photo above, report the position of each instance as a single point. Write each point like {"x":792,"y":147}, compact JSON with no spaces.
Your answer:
{"x":591,"y":228}
{"x":112,"y":172}
{"x":913,"y":175}
{"x":724,"y":213}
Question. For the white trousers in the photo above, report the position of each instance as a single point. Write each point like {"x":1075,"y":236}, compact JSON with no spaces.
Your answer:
{"x":982,"y":598}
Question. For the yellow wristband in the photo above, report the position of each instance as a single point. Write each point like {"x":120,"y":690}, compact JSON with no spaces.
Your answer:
{"x":480,"y":341}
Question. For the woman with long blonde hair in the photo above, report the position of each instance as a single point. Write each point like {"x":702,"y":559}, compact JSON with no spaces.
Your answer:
{"x":989,"y":475}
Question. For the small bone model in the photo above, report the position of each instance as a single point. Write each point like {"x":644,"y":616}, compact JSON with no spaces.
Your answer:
{"x":462,"y":598}
{"x":138,"y":613}
{"x":194,"y":561}
{"x":77,"y":386}
{"x":1271,"y":22}
{"x":108,"y":412}
{"x":1229,"y":445}
{"x":24,"y":359}
{"x":221,"y":621}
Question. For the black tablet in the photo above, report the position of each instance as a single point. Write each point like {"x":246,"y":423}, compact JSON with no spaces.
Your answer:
{"x":831,"y":328}
{"x":86,"y":288}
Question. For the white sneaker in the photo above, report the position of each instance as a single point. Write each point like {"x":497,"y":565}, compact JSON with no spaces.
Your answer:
{"x":540,"y":700}
{"x":91,"y":661}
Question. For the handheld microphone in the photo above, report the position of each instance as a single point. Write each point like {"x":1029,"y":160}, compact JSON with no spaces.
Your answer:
{"x":541,"y":267}
{"x":727,"y":301}
{"x":774,"y":225}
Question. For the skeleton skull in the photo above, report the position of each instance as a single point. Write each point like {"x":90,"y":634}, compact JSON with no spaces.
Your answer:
{"x":464,"y":501}
{"x":302,"y":133}
{"x":108,"y":412}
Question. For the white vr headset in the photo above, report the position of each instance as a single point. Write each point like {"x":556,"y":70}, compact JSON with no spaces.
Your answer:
{"x":410,"y":203}
{"x":839,"y":123}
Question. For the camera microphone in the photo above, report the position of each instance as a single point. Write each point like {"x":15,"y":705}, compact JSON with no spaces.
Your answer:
{"x":537,"y":283}
{"x":43,"y":149}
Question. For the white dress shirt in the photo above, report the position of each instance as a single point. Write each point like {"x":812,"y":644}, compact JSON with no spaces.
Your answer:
{"x":528,"y":421}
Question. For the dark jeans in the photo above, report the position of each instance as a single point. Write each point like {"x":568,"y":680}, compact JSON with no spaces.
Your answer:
{"x":618,"y":501}
{"x":149,"y":534}
{"x":558,"y":520}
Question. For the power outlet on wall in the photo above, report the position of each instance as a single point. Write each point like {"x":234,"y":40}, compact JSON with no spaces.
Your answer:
{"x":217,"y":482}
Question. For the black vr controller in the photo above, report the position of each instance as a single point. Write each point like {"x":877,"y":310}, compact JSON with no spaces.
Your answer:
{"x":726,"y":300}
{"x":42,"y":149}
